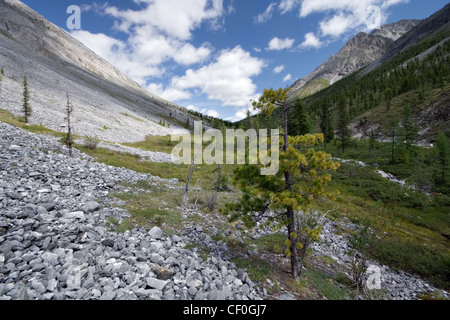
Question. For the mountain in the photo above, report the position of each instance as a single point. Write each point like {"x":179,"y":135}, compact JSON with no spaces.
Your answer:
{"x":436,"y":23}
{"x":107,"y":103}
{"x":360,"y":51}
{"x":414,"y":72}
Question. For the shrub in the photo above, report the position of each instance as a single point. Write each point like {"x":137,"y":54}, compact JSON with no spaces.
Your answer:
{"x":91,"y":142}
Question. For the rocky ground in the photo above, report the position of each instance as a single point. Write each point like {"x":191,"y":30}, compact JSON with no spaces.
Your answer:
{"x":56,"y":241}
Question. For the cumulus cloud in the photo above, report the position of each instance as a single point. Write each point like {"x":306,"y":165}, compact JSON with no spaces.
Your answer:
{"x":280,"y":44}
{"x":175,"y":18}
{"x":347,"y":15}
{"x":266,"y":15}
{"x":341,"y":16}
{"x":287,"y":78}
{"x":278,"y":69}
{"x":212,"y":113}
{"x":311,"y":41}
{"x":160,"y":31}
{"x":338,"y":24}
{"x":227,"y":79}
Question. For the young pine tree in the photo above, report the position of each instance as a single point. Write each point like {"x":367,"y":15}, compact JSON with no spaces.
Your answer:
{"x":26,"y":109}
{"x":280,"y":198}
{"x":326,"y":125}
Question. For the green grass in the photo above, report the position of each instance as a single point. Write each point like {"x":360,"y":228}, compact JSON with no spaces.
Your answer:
{"x":311,"y":88}
{"x":411,"y":225}
{"x":8,"y":117}
{"x":157,"y":205}
{"x":132,"y":117}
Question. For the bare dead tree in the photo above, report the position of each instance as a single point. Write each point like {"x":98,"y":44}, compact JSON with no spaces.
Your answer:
{"x":69,"y":110}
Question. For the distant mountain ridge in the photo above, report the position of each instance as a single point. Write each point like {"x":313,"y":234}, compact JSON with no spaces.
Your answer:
{"x":359,"y":52}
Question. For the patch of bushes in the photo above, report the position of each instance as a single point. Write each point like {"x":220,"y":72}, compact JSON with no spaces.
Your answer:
{"x":414,"y":258}
{"x":91,"y":142}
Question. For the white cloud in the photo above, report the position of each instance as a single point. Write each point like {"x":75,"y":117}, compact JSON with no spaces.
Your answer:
{"x":188,"y":54}
{"x":311,"y":41}
{"x":174,"y":18}
{"x":239,"y":115}
{"x":342,"y":16}
{"x":280,"y":44}
{"x":266,"y":15}
{"x":287,"y":5}
{"x":117,"y":53}
{"x":213,"y":113}
{"x":287,"y":78}
{"x":170,"y":93}
{"x":227,"y":79}
{"x":349,"y":15}
{"x":338,"y":24}
{"x":159,"y":32}
{"x":192,"y":108}
{"x":278,"y":69}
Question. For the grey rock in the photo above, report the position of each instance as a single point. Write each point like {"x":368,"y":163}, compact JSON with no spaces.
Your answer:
{"x":156,"y":283}
{"x":286,"y":296}
{"x":90,"y":206}
{"x":155,"y":233}
{"x":108,"y":243}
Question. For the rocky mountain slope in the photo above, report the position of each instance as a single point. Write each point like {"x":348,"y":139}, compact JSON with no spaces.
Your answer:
{"x":106,"y":103}
{"x":360,"y":51}
{"x":436,"y":23}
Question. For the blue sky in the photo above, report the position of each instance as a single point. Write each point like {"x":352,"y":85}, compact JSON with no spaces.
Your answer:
{"x":214,"y":56}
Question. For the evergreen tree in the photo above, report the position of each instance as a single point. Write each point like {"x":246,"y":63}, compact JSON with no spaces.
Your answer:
{"x":248,"y":121}
{"x":343,"y":131}
{"x":372,"y":140}
{"x":26,"y":109}
{"x":298,"y":120}
{"x":443,"y":152}
{"x":410,"y":130}
{"x":326,"y":125}
{"x":300,"y":180}
{"x":393,"y":132}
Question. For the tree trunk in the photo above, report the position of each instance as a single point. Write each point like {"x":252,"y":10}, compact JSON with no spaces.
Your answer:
{"x":186,"y":190}
{"x":292,"y":227}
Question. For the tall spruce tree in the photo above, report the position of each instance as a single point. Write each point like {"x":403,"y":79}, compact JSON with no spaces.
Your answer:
{"x":326,"y":124}
{"x":394,"y":133}
{"x":443,"y":153}
{"x":410,"y":131}
{"x":298,"y":120}
{"x":280,"y":198}
{"x":343,"y":131}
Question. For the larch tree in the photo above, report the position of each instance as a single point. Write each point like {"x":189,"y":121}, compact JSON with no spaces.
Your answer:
{"x":285,"y":199}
